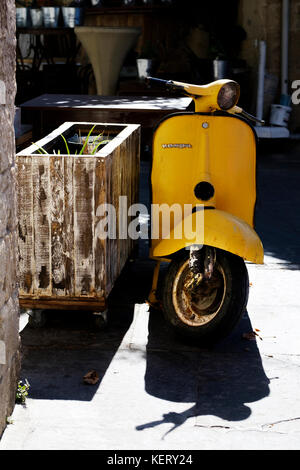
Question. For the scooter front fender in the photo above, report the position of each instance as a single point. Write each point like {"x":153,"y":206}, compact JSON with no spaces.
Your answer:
{"x":220,"y":230}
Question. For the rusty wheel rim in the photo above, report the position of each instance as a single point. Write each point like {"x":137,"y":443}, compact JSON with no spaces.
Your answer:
{"x":201,"y":305}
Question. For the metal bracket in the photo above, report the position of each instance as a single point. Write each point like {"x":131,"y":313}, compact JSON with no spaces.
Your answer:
{"x":152,"y":299}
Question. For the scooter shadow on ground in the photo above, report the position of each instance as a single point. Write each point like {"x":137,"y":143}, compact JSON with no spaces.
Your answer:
{"x":217,"y":380}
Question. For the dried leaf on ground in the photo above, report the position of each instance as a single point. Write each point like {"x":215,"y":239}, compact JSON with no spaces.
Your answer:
{"x":251,"y":336}
{"x":91,"y":378}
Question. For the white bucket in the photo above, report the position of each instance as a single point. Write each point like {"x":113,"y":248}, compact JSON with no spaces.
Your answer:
{"x":36,"y":16}
{"x":280,"y":115}
{"x":50,"y":15}
{"x":21,"y":17}
{"x":72,"y":16}
{"x":144,"y":67}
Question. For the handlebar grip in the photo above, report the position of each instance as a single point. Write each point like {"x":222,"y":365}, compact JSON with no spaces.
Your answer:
{"x":157,"y":80}
{"x":252,"y":118}
{"x":167,"y":83}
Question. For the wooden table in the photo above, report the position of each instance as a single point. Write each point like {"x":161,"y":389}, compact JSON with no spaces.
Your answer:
{"x":48,"y":111}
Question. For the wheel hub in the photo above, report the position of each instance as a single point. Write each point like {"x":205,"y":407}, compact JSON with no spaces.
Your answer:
{"x":197,"y":300}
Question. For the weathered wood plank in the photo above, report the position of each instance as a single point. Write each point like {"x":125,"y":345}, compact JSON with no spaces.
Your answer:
{"x":100,"y":195}
{"x":124,"y":168}
{"x":68,"y":227}
{"x":25,"y":224}
{"x":57,"y":211}
{"x":41,"y":195}
{"x":84,"y":181}
{"x":109,"y":252}
{"x":117,"y":251}
{"x":59,"y":303}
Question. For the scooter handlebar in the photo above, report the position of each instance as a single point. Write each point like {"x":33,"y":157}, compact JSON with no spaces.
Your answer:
{"x":182,"y":87}
{"x":167,"y":83}
{"x":248,"y":116}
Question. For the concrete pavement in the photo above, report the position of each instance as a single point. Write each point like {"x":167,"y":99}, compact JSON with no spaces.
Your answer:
{"x":156,"y":392}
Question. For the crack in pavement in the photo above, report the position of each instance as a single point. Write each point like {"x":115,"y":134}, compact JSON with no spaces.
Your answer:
{"x":281,"y":421}
{"x":259,"y":428}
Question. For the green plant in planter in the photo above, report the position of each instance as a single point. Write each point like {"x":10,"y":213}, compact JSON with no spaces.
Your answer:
{"x":84,"y":142}
{"x":22,"y":391}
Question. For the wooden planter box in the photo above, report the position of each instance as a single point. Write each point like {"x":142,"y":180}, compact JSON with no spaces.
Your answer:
{"x":63,"y":264}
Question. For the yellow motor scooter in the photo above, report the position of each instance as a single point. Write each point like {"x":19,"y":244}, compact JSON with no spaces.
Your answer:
{"x":203,"y":201}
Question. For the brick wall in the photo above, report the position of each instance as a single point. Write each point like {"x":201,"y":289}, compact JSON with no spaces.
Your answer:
{"x":9,"y":310}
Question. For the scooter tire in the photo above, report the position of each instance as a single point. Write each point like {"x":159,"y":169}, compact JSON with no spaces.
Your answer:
{"x":235,"y":293}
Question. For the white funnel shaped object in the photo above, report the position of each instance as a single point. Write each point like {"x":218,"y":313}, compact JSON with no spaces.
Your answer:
{"x":107,"y":48}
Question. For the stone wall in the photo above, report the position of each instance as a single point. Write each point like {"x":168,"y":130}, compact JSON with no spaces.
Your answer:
{"x":262,"y":20}
{"x":9,"y":310}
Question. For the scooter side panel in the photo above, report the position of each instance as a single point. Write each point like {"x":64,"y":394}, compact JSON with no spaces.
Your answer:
{"x":191,"y":148}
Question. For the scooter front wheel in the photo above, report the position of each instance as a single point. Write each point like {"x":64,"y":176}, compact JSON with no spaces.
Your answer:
{"x":210,"y":309}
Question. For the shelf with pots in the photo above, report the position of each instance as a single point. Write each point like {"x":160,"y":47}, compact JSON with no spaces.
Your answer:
{"x":38,"y":14}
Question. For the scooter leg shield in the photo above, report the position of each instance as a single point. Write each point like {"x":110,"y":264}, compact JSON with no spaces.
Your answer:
{"x":212,"y":228}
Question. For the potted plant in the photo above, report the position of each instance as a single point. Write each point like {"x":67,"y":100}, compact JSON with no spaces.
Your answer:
{"x":22,"y":17}
{"x":224,"y":50}
{"x":50,"y":16}
{"x":218,"y":55}
{"x":147,"y":60}
{"x":72,"y":16}
{"x":36,"y":15}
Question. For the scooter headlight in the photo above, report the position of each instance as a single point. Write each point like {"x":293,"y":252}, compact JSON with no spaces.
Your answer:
{"x":228,"y":95}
